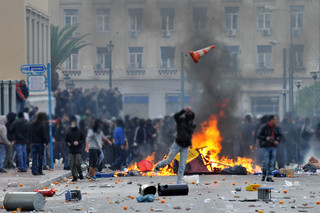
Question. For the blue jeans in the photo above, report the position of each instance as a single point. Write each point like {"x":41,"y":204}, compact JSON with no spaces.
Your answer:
{"x":120,"y":157}
{"x":2,"y":154}
{"x":21,"y":150}
{"x":20,"y":106}
{"x":184,"y":152}
{"x":269,"y":157}
{"x":37,"y":157}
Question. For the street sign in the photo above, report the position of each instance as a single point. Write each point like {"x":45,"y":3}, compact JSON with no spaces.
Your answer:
{"x":36,"y":83}
{"x":33,"y":68}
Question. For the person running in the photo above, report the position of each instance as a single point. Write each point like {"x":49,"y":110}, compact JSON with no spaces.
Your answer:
{"x":94,"y":145}
{"x":185,"y":128}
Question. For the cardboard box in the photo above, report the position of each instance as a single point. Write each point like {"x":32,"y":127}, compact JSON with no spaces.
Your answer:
{"x":287,"y":172}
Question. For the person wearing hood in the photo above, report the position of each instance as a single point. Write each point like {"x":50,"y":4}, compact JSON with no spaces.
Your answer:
{"x":19,"y":130}
{"x":185,"y":128}
{"x":3,"y":141}
{"x":8,"y":161}
{"x":38,"y":137}
{"x":75,"y":140}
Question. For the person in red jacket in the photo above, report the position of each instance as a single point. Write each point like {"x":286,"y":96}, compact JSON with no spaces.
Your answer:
{"x":22,"y":94}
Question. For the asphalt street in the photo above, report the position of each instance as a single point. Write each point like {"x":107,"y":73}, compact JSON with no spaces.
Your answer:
{"x":119,"y":193}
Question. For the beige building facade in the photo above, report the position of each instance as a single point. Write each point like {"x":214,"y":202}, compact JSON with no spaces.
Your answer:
{"x":24,"y":39}
{"x":149,"y":36}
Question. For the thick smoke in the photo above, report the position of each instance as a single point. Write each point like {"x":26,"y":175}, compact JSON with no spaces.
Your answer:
{"x":215,"y":82}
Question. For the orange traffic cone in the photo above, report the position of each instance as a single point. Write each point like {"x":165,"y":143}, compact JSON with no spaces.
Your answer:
{"x":196,"y":55}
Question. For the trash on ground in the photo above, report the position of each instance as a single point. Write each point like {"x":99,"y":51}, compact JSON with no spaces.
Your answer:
{"x":173,"y":190}
{"x":28,"y":201}
{"x":146,"y":198}
{"x":147,"y":189}
{"x":253,"y":187}
{"x":191,"y":179}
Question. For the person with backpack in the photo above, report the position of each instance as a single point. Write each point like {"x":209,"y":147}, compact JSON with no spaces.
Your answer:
{"x":185,"y":128}
{"x":269,"y":137}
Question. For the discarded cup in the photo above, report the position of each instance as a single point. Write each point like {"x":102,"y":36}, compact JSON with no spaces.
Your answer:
{"x":191,"y":179}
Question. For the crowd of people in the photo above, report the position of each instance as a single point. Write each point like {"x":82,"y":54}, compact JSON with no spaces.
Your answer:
{"x":80,"y":134}
{"x":298,"y":137}
{"x":87,"y":128}
{"x":102,"y":103}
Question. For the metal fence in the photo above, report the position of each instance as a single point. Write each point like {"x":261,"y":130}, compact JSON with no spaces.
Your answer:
{"x":7,"y":96}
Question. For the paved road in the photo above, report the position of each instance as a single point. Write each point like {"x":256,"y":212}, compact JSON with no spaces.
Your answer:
{"x":202,"y":198}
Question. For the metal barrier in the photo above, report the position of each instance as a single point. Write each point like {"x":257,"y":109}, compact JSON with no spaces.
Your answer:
{"x":7,"y":96}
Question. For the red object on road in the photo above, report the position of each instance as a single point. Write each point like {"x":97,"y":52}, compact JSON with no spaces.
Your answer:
{"x":145,"y":166}
{"x":46,"y":192}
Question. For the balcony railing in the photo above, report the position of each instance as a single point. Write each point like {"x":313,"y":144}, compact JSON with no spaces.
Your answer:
{"x":167,"y":71}
{"x":264,"y":70}
{"x":71,"y":72}
{"x":135,"y":72}
{"x":101,"y":72}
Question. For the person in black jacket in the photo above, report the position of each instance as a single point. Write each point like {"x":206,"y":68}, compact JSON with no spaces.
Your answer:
{"x":269,"y":136}
{"x":38,"y":137}
{"x":59,"y":149}
{"x":8,"y":161}
{"x":75,"y":141}
{"x":19,"y":130}
{"x":185,"y":128}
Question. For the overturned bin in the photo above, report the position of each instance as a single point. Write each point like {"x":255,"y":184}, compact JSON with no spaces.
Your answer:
{"x":27,"y":201}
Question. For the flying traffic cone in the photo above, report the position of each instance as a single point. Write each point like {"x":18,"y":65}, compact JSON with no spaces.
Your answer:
{"x":196,"y":55}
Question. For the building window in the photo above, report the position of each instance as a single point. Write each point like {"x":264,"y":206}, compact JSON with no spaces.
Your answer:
{"x":167,"y":16}
{"x":234,"y":50}
{"x":264,"y":56}
{"x":72,"y":62}
{"x":103,"y":20}
{"x":103,"y":58}
{"x":167,"y":57}
{"x":28,"y":40}
{"x":70,"y":16}
{"x":135,"y":23}
{"x":265,"y":105}
{"x":297,"y":17}
{"x":297,"y":53}
{"x":200,"y":18}
{"x":231,"y":18}
{"x":135,"y":57}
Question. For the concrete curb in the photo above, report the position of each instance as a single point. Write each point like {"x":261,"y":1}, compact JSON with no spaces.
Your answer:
{"x":47,"y":182}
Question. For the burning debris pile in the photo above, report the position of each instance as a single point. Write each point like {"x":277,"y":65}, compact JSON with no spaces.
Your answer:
{"x":207,"y":142}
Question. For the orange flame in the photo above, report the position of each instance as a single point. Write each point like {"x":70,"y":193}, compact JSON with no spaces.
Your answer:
{"x":208,"y":142}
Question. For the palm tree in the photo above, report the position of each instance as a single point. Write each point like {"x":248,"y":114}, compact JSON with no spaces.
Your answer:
{"x":63,"y":45}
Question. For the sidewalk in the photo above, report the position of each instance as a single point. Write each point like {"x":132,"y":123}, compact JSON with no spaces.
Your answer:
{"x":29,"y":181}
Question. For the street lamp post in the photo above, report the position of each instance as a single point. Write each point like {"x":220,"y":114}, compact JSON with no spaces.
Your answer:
{"x":109,"y":51}
{"x":314,"y":75}
{"x":284,"y":105}
{"x":298,"y":85}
